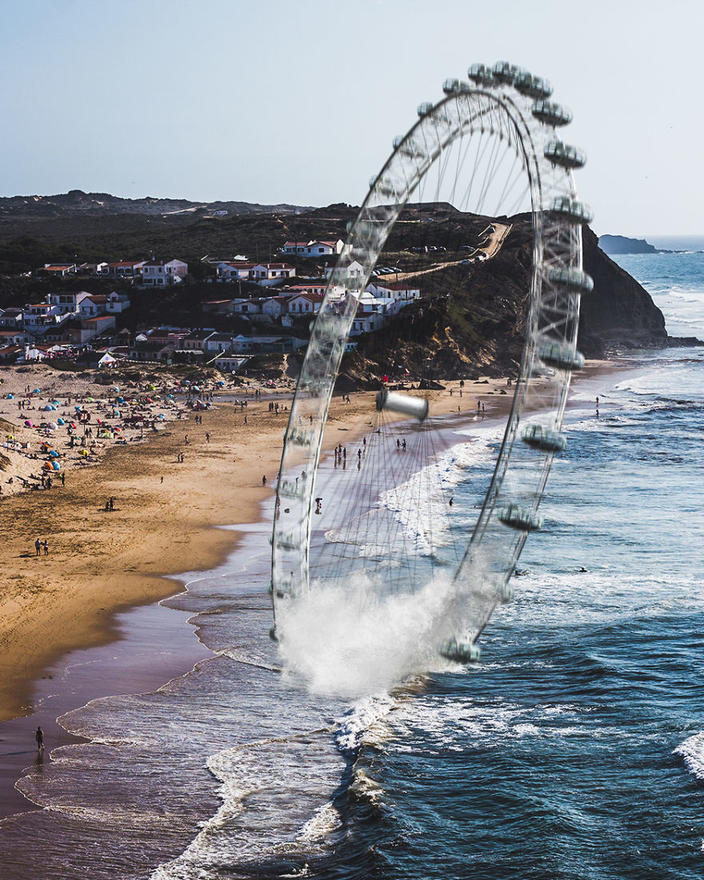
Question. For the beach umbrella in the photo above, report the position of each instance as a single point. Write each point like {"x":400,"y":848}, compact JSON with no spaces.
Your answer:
{"x":53,"y":453}
{"x":28,"y":424}
{"x":61,"y":421}
{"x":90,"y":400}
{"x":56,"y":466}
{"x":53,"y":426}
{"x":36,"y":391}
{"x":77,"y":408}
{"x":10,"y":396}
{"x":73,"y":425}
{"x":46,"y":466}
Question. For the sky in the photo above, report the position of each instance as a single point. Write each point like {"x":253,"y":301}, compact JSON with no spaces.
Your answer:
{"x":270,"y":101}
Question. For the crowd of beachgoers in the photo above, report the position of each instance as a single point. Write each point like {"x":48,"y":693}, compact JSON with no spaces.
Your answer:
{"x":48,"y":427}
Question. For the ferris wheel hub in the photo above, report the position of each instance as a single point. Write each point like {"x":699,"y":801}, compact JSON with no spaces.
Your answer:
{"x":415,"y":407}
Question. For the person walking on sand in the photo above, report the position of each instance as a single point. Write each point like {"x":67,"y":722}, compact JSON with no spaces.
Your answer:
{"x":46,"y":547}
{"x":264,"y":480}
{"x":207,"y":437}
{"x":37,"y":547}
{"x":39,"y":737}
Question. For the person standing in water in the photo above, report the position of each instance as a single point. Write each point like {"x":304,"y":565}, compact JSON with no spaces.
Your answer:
{"x":39,"y":737}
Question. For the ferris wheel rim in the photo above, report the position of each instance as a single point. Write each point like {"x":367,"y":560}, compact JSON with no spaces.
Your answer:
{"x":535,"y":165}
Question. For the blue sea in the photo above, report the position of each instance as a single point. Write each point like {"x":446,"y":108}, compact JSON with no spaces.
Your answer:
{"x":573,"y":750}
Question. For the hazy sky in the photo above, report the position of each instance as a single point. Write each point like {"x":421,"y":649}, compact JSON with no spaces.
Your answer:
{"x":270,"y":101}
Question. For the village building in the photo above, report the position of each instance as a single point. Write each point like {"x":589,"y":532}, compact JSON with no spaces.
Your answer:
{"x":117,"y":303}
{"x":401,"y":291}
{"x":315,"y":248}
{"x":157,"y":273}
{"x":269,"y":274}
{"x":275,"y":306}
{"x":67,"y":303}
{"x":234,"y":271}
{"x":266,"y":344}
{"x":123,"y":269}
{"x":196,"y":339}
{"x":305,"y":304}
{"x":59,"y":270}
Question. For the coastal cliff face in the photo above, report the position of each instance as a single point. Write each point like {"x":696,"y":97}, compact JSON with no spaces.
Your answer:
{"x":480,"y":327}
{"x":619,"y":312}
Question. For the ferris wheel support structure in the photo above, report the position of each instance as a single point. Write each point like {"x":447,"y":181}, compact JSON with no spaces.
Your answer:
{"x":509,"y":106}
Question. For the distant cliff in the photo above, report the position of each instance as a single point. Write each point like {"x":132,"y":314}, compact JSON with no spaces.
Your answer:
{"x":620,"y":244}
{"x":619,"y":312}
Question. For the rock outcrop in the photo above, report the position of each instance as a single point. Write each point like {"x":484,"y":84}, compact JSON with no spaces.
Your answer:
{"x":619,"y":312}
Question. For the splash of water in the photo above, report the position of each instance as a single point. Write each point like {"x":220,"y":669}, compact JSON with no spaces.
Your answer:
{"x":350,"y":641}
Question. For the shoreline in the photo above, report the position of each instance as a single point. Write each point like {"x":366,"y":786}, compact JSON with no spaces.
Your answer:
{"x":214,"y":545}
{"x":51,"y":605}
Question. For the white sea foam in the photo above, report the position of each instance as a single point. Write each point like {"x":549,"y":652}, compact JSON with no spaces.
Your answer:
{"x":692,"y":752}
{"x":426,"y":525}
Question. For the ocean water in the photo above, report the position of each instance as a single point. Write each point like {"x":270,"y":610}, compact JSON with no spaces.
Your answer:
{"x":574,"y":750}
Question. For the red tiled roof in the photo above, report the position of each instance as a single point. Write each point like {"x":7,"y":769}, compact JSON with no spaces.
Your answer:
{"x":311,"y":297}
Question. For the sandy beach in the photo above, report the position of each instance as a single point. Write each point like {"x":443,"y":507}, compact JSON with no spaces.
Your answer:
{"x":165,"y":511}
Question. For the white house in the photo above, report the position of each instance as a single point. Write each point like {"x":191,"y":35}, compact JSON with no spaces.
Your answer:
{"x":60,"y":270}
{"x":295,"y":248}
{"x":122,"y":268}
{"x":316,"y":287}
{"x":39,"y":317}
{"x":324,"y":248}
{"x":398,"y":290}
{"x":275,"y":306}
{"x":117,"y":303}
{"x":269,"y":274}
{"x":229,"y":363}
{"x":352,"y":270}
{"x":366,"y":323}
{"x":157,"y":273}
{"x":314,"y":248}
{"x":234,"y":271}
{"x":196,"y":339}
{"x":248,"y":306}
{"x":92,"y":306}
{"x":305,"y":304}
{"x":218,"y":342}
{"x":67,"y":303}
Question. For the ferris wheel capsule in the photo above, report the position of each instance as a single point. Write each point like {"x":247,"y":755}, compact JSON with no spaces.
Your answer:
{"x":564,"y":155}
{"x":560,"y":357}
{"x":481,"y":74}
{"x":571,"y":210}
{"x":570,"y":280}
{"x":505,"y":72}
{"x":532,"y":86}
{"x":520,"y":519}
{"x":550,"y":113}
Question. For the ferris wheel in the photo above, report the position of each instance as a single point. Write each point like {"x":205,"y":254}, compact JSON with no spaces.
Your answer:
{"x":489,"y":156}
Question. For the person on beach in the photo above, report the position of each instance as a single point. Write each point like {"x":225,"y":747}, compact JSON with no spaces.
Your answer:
{"x":207,"y":437}
{"x":45,"y":544}
{"x":37,"y":547}
{"x":264,"y":480}
{"x":39,"y":737}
